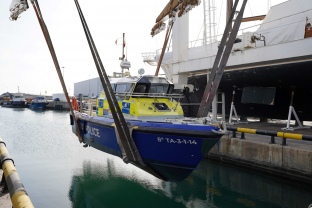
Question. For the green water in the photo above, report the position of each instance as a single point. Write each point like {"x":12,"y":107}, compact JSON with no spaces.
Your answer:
{"x":58,"y":172}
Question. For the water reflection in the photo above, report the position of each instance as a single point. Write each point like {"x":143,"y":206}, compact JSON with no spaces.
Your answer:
{"x":18,"y":109}
{"x":212,"y":185}
{"x":100,"y":186}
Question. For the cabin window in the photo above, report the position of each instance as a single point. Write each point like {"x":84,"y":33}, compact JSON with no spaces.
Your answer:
{"x":123,"y":90}
{"x":140,"y":88}
{"x":158,"y":89}
{"x":170,"y":89}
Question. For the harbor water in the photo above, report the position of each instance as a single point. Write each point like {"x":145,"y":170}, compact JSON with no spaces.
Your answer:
{"x":57,"y":171}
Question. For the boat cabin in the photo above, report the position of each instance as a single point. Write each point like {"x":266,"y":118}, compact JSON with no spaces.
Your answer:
{"x":145,"y":97}
{"x":39,"y":99}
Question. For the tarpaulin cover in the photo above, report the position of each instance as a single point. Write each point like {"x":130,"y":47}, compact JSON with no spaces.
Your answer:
{"x":286,"y":21}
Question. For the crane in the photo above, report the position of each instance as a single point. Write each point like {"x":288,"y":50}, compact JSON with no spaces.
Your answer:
{"x":173,"y":8}
{"x":17,"y":7}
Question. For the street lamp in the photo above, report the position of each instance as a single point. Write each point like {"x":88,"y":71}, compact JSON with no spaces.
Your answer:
{"x":63,"y":72}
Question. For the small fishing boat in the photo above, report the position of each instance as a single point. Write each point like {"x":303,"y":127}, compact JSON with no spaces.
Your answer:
{"x":169,"y":144}
{"x":18,"y":101}
{"x":38,"y":103}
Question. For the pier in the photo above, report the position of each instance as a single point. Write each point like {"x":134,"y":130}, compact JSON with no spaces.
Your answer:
{"x":13,"y":193}
{"x":265,"y":147}
{"x":58,"y":105}
{"x":5,"y":201}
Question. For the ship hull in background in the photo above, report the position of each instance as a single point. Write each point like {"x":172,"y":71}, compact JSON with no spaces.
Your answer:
{"x":263,"y":92}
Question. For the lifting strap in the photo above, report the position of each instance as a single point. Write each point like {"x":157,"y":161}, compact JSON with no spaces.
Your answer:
{"x":127,"y":145}
{"x":221,"y":59}
{"x":56,"y":64}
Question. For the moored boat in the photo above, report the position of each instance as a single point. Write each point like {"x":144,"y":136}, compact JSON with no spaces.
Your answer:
{"x":15,"y":100}
{"x":38,"y":103}
{"x":169,"y":144}
{"x":18,"y":101}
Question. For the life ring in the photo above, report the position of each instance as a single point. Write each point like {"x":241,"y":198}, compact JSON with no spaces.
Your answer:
{"x":75,"y":104}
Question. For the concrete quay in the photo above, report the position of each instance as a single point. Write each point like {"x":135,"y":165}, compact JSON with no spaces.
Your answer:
{"x":58,"y":105}
{"x":5,"y":200}
{"x":291,"y":161}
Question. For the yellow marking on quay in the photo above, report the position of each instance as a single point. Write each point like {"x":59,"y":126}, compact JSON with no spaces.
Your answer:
{"x":289,"y":135}
{"x":245,"y":130}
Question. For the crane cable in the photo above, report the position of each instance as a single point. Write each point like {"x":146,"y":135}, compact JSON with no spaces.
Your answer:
{"x":56,"y":64}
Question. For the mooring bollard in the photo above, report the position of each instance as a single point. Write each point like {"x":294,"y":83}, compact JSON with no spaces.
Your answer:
{"x":11,"y":180}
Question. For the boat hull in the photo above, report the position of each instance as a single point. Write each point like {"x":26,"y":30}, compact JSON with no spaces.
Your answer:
{"x":38,"y":106}
{"x":173,"y":151}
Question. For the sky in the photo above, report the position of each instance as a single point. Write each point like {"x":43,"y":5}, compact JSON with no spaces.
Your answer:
{"x":25,"y":61}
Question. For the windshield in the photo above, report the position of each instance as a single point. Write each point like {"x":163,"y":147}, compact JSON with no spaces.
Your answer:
{"x":159,"y":88}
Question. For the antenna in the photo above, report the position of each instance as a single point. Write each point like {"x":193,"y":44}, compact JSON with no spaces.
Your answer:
{"x":124,"y":64}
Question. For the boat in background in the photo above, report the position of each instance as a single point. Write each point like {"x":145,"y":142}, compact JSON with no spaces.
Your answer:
{"x":14,"y":100}
{"x":38,"y":103}
{"x":169,"y":144}
{"x":5,"y":99}
{"x":269,"y":62}
{"x":18,"y":101}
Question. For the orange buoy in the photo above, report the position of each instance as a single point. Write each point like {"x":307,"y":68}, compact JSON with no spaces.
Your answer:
{"x":75,"y":104}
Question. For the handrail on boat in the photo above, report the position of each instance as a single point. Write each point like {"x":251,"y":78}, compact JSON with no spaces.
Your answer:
{"x":150,"y":95}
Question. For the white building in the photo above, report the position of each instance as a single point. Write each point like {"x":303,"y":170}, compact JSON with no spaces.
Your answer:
{"x":60,"y":96}
{"x":88,"y":88}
